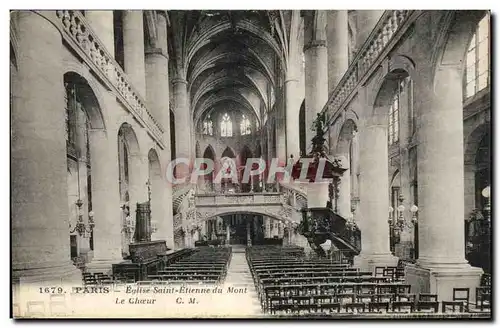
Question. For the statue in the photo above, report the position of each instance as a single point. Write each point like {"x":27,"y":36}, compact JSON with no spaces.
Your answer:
{"x":318,"y":141}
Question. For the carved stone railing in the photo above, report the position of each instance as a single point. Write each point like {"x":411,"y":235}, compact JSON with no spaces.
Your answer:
{"x":177,"y":221}
{"x":295,"y":193}
{"x":268,"y":198}
{"x":390,"y":24}
{"x":79,"y":34}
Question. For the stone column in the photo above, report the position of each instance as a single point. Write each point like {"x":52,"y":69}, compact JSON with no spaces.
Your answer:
{"x":441,"y":265}
{"x":157,"y":79}
{"x":292,"y":107}
{"x":133,"y":49}
{"x":338,"y":46}
{"x":228,"y":234}
{"x":40,"y":226}
{"x":316,"y":83}
{"x":365,"y":22}
{"x":101,"y":22}
{"x":344,"y":200}
{"x":157,"y":95}
{"x":182,"y":124}
{"x":105,"y":201}
{"x":374,"y":203}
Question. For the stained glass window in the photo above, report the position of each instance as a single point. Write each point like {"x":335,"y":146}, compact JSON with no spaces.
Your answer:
{"x":477,"y":73}
{"x":226,"y":126}
{"x":245,"y":126}
{"x":208,"y":128}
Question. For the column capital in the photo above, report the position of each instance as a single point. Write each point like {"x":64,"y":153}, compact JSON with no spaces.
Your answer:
{"x":157,"y":51}
{"x":314,"y":44}
{"x":291,"y":79}
{"x":177,"y":80}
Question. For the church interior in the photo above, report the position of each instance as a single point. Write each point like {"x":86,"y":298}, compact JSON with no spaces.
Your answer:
{"x":397,"y":104}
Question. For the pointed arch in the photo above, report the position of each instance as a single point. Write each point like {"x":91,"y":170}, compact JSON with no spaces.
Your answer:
{"x":228,"y":152}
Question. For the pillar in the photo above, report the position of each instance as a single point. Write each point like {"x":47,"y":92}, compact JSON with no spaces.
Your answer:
{"x":365,"y":22}
{"x":441,"y":265}
{"x":288,"y":137}
{"x":157,"y":79}
{"x":101,"y":22}
{"x":228,"y":234}
{"x":344,"y":199}
{"x":105,"y":201}
{"x":316,"y":83}
{"x":374,"y":200}
{"x":182,"y":123}
{"x":157,"y":96}
{"x":40,"y":233}
{"x":133,"y":49}
{"x":338,"y":46}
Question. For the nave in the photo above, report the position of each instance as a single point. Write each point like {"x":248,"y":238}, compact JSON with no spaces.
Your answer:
{"x":281,"y":281}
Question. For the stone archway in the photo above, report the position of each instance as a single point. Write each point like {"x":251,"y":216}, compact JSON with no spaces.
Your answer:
{"x":85,"y":128}
{"x":133,"y":179}
{"x":155,"y":195}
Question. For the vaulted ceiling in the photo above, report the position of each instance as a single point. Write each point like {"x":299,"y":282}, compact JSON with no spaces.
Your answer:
{"x":229,"y":57}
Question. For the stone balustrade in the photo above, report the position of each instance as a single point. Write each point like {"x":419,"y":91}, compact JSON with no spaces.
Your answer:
{"x":177,"y":221}
{"x":391,"y":22}
{"x":271,"y":198}
{"x":79,"y":34}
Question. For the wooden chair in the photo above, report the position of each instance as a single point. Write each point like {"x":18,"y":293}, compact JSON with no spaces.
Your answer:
{"x":379,"y":271}
{"x":35,"y":309}
{"x":427,"y":302}
{"x":483,"y":297}
{"x":403,"y":306}
{"x":378,"y":306}
{"x":354,"y":307}
{"x":462,"y":295}
{"x":57,"y":305}
{"x":454,"y":306}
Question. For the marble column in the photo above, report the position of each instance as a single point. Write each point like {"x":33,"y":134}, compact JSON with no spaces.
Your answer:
{"x":292,"y":107}
{"x":182,"y":123}
{"x":441,"y":265}
{"x":105,"y":201}
{"x":365,"y":22}
{"x":157,"y":97}
{"x":133,"y":49}
{"x":228,"y":234}
{"x":338,"y":46}
{"x":316,"y":83}
{"x":40,"y":226}
{"x":101,"y":22}
{"x":374,"y":204}
{"x":344,"y":200}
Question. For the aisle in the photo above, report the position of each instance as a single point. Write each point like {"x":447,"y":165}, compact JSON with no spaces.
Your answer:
{"x":240,"y":278}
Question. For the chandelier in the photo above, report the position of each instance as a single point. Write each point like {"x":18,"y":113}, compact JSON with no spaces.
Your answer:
{"x":81,"y":228}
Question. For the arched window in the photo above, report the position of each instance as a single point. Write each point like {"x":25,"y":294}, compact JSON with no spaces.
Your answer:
{"x":208,"y":128}
{"x":477,"y":73}
{"x":403,"y":86}
{"x":245,"y":126}
{"x":394,"y":119}
{"x":226,"y":126}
